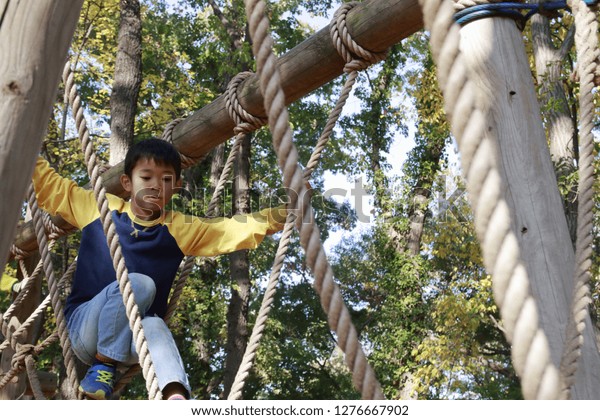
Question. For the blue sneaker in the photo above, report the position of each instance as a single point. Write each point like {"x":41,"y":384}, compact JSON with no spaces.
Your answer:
{"x":98,"y":381}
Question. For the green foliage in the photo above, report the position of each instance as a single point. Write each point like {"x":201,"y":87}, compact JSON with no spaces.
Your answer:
{"x":298,"y":358}
{"x":464,"y":355}
{"x":383,"y":288}
{"x":433,"y":132}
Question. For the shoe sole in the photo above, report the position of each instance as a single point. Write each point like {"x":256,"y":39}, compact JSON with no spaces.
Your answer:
{"x":98,"y":395}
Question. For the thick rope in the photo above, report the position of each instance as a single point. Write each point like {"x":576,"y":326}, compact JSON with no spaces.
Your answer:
{"x":25,"y":287}
{"x":133,"y":313}
{"x":186,"y":269}
{"x":263,"y":314}
{"x":586,"y":28}
{"x":357,"y":58}
{"x":18,"y":253}
{"x":331,"y":299}
{"x":65,"y":281}
{"x":540,"y":379}
{"x":34,"y":380}
{"x":22,"y":352}
{"x":186,"y":161}
{"x":53,"y":232}
{"x":246,"y":122}
{"x":55,"y":295}
{"x":12,"y":336}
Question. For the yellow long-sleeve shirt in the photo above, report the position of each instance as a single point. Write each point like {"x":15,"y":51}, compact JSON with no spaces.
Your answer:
{"x":154,"y":248}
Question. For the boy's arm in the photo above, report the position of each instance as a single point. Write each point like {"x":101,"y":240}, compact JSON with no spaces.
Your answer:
{"x":210,"y":237}
{"x":61,"y":196}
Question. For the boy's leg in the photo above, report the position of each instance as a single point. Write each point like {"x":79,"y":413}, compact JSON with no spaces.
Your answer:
{"x":101,"y":335}
{"x":166,"y":359}
{"x":97,"y":326}
{"x":114,"y":333}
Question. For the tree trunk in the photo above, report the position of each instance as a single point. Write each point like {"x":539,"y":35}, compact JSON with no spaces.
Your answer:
{"x":216,"y":167}
{"x":548,"y":65}
{"x":416,"y":219}
{"x":493,"y":48}
{"x":34,"y":39}
{"x":237,"y":314}
{"x":417,"y":212}
{"x":560,"y":126}
{"x":127,"y":81}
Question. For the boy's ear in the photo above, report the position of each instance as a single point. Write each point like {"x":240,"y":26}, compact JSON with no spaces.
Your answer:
{"x":126,"y":183}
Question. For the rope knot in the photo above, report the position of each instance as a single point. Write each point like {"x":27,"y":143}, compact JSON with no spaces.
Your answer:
{"x":23,"y":351}
{"x":244,"y":121}
{"x":18,"y":253}
{"x":54,"y":232}
{"x":167,"y":135}
{"x":357,"y":58}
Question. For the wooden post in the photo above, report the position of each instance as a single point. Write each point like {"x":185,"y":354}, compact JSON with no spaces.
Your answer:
{"x":495,"y":52}
{"x":34,"y":38}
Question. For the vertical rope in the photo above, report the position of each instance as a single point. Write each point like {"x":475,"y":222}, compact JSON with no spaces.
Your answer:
{"x":357,"y":58}
{"x":133,"y":313}
{"x":338,"y":315}
{"x":263,"y":314}
{"x":586,"y":29}
{"x":54,"y":294}
{"x":34,"y":380}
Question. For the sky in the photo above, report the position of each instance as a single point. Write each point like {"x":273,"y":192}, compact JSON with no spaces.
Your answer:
{"x":340,"y":182}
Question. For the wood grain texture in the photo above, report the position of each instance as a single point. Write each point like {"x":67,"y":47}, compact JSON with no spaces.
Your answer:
{"x":34,"y":38}
{"x":495,"y":51}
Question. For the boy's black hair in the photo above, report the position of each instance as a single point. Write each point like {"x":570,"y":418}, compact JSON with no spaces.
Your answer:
{"x":156,"y":149}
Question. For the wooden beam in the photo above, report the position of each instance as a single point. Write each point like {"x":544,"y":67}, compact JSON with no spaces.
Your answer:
{"x":495,"y":51}
{"x":376,"y":25}
{"x":34,"y":39}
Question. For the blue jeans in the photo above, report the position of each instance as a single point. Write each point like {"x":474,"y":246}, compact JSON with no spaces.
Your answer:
{"x":101,"y":326}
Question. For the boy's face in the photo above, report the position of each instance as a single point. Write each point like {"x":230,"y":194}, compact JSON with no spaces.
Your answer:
{"x":151,"y":187}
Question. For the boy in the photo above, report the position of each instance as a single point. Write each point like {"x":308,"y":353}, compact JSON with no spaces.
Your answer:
{"x":154,"y":241}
